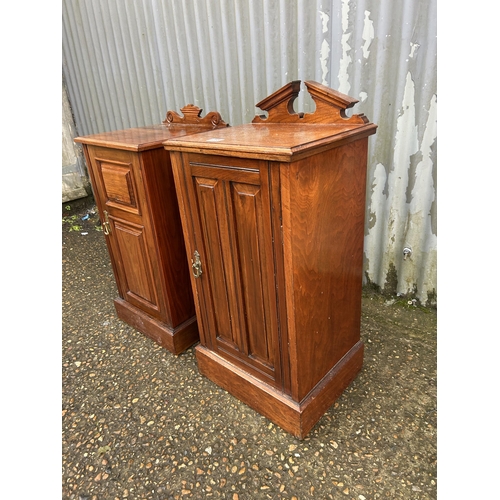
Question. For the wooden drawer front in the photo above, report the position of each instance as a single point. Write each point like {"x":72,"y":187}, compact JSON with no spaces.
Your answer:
{"x":238,"y":287}
{"x":134,"y":262}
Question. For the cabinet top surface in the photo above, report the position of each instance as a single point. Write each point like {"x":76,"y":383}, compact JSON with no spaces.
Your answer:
{"x":141,"y":138}
{"x":275,"y":141}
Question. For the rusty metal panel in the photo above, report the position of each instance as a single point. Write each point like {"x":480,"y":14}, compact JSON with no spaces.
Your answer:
{"x":126,"y":62}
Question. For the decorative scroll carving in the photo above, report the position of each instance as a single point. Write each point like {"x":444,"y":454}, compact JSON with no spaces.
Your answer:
{"x":331,"y":106}
{"x":191,"y":116}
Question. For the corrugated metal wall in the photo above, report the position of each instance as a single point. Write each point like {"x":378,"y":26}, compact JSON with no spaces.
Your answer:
{"x":126,"y":62}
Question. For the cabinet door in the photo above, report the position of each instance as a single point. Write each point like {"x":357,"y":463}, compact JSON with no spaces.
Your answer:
{"x":120,"y":196}
{"x":231,"y":226}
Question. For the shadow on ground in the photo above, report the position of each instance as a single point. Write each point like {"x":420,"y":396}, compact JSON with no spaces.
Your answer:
{"x":141,"y":423}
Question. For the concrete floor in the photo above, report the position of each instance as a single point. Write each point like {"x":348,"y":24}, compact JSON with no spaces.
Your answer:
{"x":141,"y":423}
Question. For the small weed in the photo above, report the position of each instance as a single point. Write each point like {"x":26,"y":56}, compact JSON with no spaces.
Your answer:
{"x":406,"y":303}
{"x":71,"y":222}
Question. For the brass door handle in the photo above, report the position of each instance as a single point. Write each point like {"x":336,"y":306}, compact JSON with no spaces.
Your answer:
{"x":105,"y":225}
{"x":196,"y":265}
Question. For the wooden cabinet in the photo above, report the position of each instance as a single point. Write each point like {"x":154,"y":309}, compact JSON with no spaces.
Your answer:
{"x":131,"y":177}
{"x":273,"y":219}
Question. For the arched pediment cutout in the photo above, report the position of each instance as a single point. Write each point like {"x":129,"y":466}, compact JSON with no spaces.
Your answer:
{"x":331,"y":106}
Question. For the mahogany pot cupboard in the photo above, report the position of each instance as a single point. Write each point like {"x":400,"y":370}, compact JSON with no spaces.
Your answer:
{"x":131,"y":177}
{"x":273,"y":220}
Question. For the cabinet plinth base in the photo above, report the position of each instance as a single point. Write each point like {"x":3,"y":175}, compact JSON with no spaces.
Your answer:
{"x":175,"y":340}
{"x":295,"y":418}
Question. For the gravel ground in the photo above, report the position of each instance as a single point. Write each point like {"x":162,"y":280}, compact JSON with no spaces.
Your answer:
{"x":141,"y":423}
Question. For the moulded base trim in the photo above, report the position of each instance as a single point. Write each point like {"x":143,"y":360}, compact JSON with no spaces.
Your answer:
{"x":175,"y":340}
{"x":296,"y":418}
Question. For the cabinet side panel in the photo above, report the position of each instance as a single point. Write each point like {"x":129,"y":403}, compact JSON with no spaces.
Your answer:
{"x":327,"y":207}
{"x":165,"y":216}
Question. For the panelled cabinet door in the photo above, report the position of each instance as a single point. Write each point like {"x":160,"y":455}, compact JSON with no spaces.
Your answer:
{"x":232,"y":233}
{"x":129,"y":243}
{"x":117,"y":174}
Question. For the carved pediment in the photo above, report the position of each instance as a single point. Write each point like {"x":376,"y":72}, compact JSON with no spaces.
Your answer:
{"x":330,"y":106}
{"x":191,"y":116}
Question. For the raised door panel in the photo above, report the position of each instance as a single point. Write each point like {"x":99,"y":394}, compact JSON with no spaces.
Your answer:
{"x":254,"y":271}
{"x":218,"y":279}
{"x":234,"y":237}
{"x":118,"y":184}
{"x":119,"y":179}
{"x":137,"y":284}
